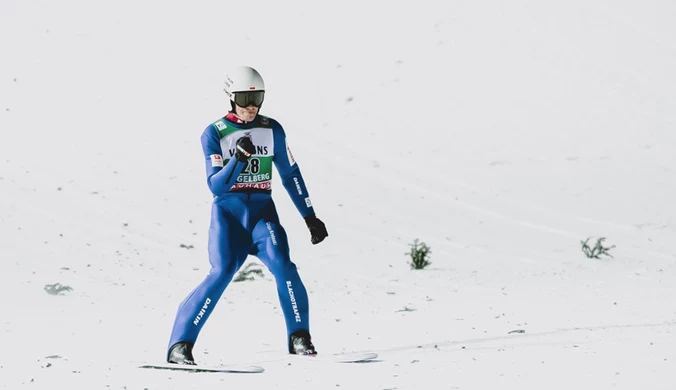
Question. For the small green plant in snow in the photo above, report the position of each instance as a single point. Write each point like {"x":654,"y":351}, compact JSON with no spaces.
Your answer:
{"x":249,"y":273}
{"x":420,"y":255}
{"x":597,"y":250}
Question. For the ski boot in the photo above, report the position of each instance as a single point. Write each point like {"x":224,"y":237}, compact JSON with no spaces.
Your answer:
{"x":300,"y":343}
{"x":181,"y":353}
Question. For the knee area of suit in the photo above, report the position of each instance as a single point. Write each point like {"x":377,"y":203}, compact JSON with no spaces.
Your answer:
{"x":290,"y":266}
{"x":285,"y":271}
{"x":223,"y":274}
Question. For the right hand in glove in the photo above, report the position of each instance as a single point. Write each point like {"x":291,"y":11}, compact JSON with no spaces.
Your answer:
{"x":245,"y":148}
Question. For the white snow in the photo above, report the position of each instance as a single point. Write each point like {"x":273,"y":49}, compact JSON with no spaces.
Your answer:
{"x":499,"y":133}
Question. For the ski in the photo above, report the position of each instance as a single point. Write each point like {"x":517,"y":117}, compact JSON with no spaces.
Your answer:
{"x":355,"y":357}
{"x":229,"y":369}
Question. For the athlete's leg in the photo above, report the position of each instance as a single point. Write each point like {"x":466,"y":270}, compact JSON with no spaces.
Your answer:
{"x":229,"y":243}
{"x":272,"y":248}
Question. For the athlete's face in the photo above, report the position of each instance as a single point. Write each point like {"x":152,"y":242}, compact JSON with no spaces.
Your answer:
{"x":247,"y":114}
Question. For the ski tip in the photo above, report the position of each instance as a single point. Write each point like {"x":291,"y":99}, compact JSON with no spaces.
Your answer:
{"x":357,"y":357}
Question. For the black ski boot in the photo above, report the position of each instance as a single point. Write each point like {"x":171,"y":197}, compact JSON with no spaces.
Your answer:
{"x":300,"y":343}
{"x":181,"y":353}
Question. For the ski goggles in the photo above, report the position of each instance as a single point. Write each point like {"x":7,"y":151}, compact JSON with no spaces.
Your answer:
{"x":247,"y":98}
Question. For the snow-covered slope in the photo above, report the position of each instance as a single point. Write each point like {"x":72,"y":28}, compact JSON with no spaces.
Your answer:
{"x":500,"y":134}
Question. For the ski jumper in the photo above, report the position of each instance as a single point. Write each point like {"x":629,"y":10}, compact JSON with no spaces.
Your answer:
{"x":244,"y":221}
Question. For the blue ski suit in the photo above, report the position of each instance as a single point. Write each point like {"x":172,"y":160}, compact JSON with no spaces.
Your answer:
{"x":244,"y":221}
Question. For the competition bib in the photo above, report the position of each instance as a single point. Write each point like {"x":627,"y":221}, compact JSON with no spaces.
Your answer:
{"x":258,"y":172}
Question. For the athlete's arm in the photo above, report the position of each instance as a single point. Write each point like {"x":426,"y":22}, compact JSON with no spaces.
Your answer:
{"x":289,"y":173}
{"x":220,"y":179}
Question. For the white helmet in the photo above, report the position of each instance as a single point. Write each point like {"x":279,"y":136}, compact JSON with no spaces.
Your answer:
{"x":242,"y":79}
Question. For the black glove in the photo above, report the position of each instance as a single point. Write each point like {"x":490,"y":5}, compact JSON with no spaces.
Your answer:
{"x":317,"y":229}
{"x":245,"y":148}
